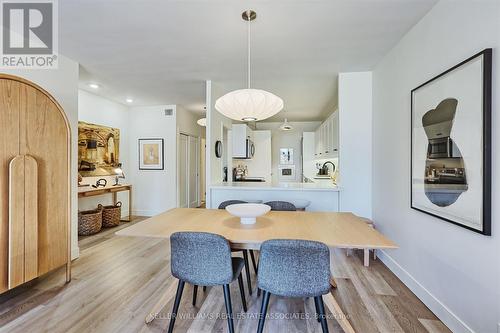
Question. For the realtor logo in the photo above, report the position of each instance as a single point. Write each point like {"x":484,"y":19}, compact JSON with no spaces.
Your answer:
{"x":29,"y":34}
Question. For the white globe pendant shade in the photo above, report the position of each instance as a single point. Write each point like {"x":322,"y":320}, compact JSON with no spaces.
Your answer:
{"x":202,"y":122}
{"x":249,"y":104}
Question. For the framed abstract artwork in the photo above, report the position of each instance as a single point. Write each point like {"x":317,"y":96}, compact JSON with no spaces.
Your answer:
{"x":451,"y":145}
{"x":151,"y":154}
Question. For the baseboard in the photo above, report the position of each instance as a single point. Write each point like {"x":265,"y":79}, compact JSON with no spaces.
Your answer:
{"x":451,"y":320}
{"x":145,"y":213}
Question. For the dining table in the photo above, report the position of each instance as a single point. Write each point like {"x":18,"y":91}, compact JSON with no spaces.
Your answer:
{"x":335,"y":229}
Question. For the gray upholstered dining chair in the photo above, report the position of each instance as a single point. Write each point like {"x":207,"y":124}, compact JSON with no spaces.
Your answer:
{"x":294,"y":268}
{"x":202,"y":258}
{"x":226,"y":203}
{"x":281,"y":205}
{"x":223,"y":205}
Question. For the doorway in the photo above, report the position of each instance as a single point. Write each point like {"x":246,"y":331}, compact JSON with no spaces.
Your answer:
{"x":189,"y":165}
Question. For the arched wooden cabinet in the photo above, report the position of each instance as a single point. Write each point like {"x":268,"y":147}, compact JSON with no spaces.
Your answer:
{"x":34,"y":183}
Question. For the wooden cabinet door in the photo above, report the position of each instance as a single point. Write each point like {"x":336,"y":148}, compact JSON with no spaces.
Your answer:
{"x":45,"y":136}
{"x":9,"y":149}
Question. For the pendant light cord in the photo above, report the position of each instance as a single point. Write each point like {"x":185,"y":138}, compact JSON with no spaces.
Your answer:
{"x":248,"y":50}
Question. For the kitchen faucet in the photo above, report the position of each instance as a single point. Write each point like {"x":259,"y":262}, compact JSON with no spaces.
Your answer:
{"x":324,"y":169}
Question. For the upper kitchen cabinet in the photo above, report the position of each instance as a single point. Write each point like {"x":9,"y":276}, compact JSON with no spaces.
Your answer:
{"x":242,"y":141}
{"x":327,"y":137}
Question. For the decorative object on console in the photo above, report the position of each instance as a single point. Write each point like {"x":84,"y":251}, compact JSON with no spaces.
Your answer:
{"x":249,"y":104}
{"x":98,"y":149}
{"x":80,"y":178}
{"x":100,"y":183}
{"x":248,"y":212}
{"x":151,"y":154}
{"x":119,"y":174}
{"x":451,"y":145}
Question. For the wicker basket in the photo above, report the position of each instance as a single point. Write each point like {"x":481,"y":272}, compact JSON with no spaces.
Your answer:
{"x":111,"y":215}
{"x":89,"y":222}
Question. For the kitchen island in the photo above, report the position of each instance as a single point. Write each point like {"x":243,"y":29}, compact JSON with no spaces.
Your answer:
{"x":322,"y":195}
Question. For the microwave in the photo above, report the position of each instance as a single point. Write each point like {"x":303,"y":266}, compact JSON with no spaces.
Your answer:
{"x":250,"y":149}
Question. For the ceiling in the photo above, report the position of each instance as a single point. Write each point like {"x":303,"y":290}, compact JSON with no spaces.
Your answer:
{"x":161,"y":52}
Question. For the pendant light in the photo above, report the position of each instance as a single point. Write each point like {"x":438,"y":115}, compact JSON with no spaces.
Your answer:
{"x":202,"y":122}
{"x":249,"y":104}
{"x":286,"y":126}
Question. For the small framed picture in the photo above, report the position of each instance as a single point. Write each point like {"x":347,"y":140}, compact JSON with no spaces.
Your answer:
{"x":286,"y":156}
{"x":150,"y":154}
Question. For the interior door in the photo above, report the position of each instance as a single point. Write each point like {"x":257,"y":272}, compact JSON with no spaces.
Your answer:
{"x":193,"y":162}
{"x":183,"y":171}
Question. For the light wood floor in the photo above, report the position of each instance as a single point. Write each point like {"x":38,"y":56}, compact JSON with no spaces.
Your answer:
{"x":116,"y":282}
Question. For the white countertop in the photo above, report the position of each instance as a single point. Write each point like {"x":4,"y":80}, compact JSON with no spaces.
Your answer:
{"x":290,"y":186}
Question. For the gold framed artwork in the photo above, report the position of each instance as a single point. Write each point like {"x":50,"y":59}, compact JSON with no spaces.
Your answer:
{"x":151,"y":154}
{"x":98,"y":149}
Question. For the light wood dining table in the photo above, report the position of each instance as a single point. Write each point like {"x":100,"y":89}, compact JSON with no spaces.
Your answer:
{"x":337,"y":230}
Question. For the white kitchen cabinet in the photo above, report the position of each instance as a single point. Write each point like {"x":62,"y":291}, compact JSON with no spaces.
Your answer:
{"x":240,"y":134}
{"x":335,"y":133}
{"x":326,"y":140}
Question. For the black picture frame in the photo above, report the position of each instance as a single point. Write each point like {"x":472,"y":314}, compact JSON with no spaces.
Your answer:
{"x":486,"y":134}
{"x":161,"y":150}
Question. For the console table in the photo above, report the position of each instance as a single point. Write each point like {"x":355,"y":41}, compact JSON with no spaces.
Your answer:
{"x":89,"y":191}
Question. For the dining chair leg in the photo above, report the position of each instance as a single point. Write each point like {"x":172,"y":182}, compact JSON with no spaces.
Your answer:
{"x":247,"y":271}
{"x":204,"y":288}
{"x":178,"y":295}
{"x":321,"y":310}
{"x":317,"y":309}
{"x":263,"y":311}
{"x":242,"y":292}
{"x":195,"y":294}
{"x":229,"y":308}
{"x":254,"y":263}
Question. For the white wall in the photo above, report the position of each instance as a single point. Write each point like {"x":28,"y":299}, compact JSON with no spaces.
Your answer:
{"x":456,"y":272}
{"x":62,"y":84}
{"x":355,"y":135}
{"x":215,"y":124}
{"x":101,"y":111}
{"x":186,"y":123}
{"x":153,"y":190}
{"x":287,"y":139}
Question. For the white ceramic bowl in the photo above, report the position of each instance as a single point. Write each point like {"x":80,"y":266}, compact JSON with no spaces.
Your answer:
{"x":247,"y":212}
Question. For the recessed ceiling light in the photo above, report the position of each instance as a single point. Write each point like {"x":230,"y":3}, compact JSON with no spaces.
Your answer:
{"x":129,"y":100}
{"x":94,"y":85}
